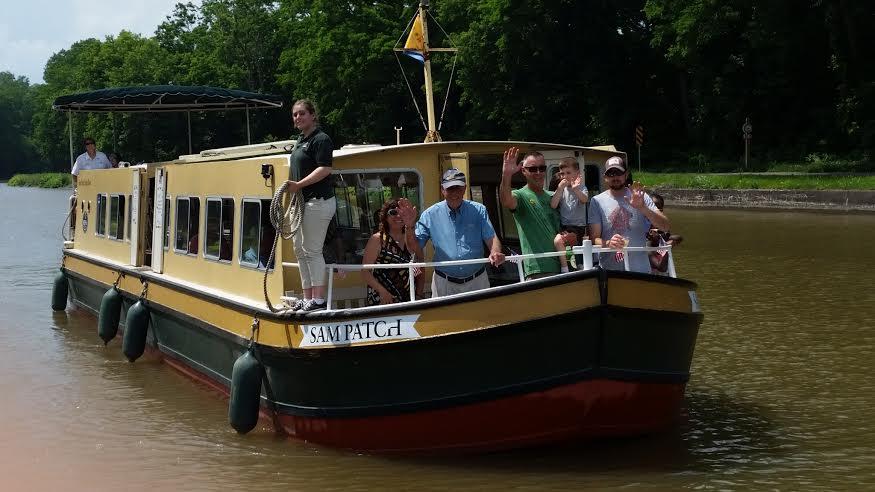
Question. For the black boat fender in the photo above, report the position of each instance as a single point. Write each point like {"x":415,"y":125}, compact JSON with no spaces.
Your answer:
{"x":136,"y":329}
{"x":60,"y":290}
{"x":245,"y":392}
{"x":110,"y":312}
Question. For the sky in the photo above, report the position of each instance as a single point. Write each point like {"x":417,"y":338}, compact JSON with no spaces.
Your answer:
{"x":31,"y":31}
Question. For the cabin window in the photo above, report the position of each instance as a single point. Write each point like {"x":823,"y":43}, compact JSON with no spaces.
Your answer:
{"x":359,"y":198}
{"x":592,"y":176}
{"x":117,"y":217}
{"x":100,"y":216}
{"x":219,"y":227}
{"x":257,"y":233}
{"x":187,"y":222}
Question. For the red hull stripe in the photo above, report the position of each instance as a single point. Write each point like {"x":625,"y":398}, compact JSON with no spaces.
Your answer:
{"x":580,"y":410}
{"x":585,"y":409}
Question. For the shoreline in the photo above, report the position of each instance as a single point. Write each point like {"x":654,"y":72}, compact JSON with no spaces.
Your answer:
{"x":843,"y":201}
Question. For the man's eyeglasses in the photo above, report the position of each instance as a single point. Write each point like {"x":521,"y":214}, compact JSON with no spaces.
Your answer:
{"x":614,"y":174}
{"x":535,"y":169}
{"x":392,"y":212}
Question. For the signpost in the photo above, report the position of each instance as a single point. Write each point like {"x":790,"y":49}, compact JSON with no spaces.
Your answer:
{"x":746,"y":131}
{"x":639,"y":141}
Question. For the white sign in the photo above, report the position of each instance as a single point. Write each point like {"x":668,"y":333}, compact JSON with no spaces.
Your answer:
{"x":694,"y":301}
{"x":360,"y":330}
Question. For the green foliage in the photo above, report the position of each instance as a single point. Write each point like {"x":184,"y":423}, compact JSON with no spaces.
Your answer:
{"x":574,"y":71}
{"x":41,"y":180}
{"x":16,"y":112}
{"x":755,"y":182}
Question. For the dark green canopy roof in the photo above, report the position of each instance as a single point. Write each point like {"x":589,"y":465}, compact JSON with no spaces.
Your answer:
{"x":165,"y":98}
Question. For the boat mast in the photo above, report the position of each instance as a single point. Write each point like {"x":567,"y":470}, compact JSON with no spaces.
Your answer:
{"x":432,"y":134}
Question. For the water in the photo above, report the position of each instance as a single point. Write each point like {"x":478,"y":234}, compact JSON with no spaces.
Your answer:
{"x":781,"y":396}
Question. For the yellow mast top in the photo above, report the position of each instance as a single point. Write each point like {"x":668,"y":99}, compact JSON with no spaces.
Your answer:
{"x":432,"y":134}
{"x":417,"y":46}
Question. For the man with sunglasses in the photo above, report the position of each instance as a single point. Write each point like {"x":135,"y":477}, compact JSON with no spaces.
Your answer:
{"x":537,"y":222}
{"x":458,"y":229}
{"x":622,"y":216}
{"x":90,"y":159}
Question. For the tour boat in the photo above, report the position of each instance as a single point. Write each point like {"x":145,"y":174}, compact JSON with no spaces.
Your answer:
{"x":178,"y":254}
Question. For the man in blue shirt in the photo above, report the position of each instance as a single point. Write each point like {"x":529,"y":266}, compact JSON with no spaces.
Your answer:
{"x":458,"y":229}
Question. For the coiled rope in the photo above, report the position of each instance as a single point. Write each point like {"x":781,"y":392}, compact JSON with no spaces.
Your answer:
{"x":278,"y":214}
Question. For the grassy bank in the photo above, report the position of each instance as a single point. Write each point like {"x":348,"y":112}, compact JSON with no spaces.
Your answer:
{"x":754,"y":181}
{"x":41,"y":180}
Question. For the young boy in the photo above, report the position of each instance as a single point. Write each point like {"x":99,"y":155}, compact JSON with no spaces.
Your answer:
{"x":658,"y":237}
{"x":570,"y":198}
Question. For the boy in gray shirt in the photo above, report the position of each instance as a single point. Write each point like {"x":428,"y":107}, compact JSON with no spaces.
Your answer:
{"x":570,"y":198}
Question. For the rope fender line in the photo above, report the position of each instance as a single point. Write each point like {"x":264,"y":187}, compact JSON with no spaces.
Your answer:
{"x":145,"y":289}
{"x":253,"y":348}
{"x":117,"y":280}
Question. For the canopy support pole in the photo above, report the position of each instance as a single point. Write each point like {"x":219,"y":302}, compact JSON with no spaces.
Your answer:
{"x":70,"y":127}
{"x":248,"y":137}
{"x":188,"y":115}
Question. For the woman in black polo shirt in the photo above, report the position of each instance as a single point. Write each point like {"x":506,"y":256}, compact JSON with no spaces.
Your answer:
{"x":311,"y":175}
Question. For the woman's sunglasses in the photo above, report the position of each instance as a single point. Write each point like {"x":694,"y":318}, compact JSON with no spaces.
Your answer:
{"x":392,"y":212}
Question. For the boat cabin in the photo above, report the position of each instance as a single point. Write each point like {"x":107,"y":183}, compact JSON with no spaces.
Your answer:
{"x":211,"y":229}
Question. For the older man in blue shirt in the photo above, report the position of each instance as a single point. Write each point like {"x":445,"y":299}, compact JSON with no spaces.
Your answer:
{"x":458,"y":229}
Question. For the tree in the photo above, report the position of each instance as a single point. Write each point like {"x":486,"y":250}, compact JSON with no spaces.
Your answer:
{"x":16,"y":110}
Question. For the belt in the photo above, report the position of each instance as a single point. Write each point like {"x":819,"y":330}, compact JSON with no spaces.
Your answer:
{"x":459,"y":280}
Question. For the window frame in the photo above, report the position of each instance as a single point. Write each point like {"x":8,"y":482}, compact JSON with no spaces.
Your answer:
{"x":104,"y":199}
{"x":261,"y":203}
{"x":221,"y":200}
{"x":369,"y":173}
{"x":186,"y":251}
{"x":121,"y":197}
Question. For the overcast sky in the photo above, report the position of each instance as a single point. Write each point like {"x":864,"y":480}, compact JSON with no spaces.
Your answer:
{"x":33,"y":30}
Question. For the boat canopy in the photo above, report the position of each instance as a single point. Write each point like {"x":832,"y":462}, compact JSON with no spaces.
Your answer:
{"x":165,"y":98}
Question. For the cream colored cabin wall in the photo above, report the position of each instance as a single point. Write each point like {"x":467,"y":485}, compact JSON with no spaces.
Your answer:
{"x":90,"y":184}
{"x":230,"y":179}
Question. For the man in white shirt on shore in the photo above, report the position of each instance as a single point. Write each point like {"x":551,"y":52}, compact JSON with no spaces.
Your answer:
{"x":90,"y":159}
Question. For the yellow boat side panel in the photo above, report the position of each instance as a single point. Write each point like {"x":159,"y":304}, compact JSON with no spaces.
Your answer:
{"x":642,"y":294}
{"x":231,"y":179}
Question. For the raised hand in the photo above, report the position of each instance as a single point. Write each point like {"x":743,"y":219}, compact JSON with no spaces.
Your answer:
{"x":577,"y":181}
{"x":407,"y":212}
{"x":637,"y":199}
{"x":510,"y":165}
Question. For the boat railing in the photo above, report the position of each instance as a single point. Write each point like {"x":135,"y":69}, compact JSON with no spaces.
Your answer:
{"x":586,"y":251}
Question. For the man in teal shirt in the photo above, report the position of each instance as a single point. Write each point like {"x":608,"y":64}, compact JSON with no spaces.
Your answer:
{"x":536,"y":221}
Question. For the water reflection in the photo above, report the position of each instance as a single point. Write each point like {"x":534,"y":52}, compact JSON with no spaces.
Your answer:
{"x":781,"y":394}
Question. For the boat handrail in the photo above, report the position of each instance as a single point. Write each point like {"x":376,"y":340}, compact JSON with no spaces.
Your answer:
{"x":586,"y":250}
